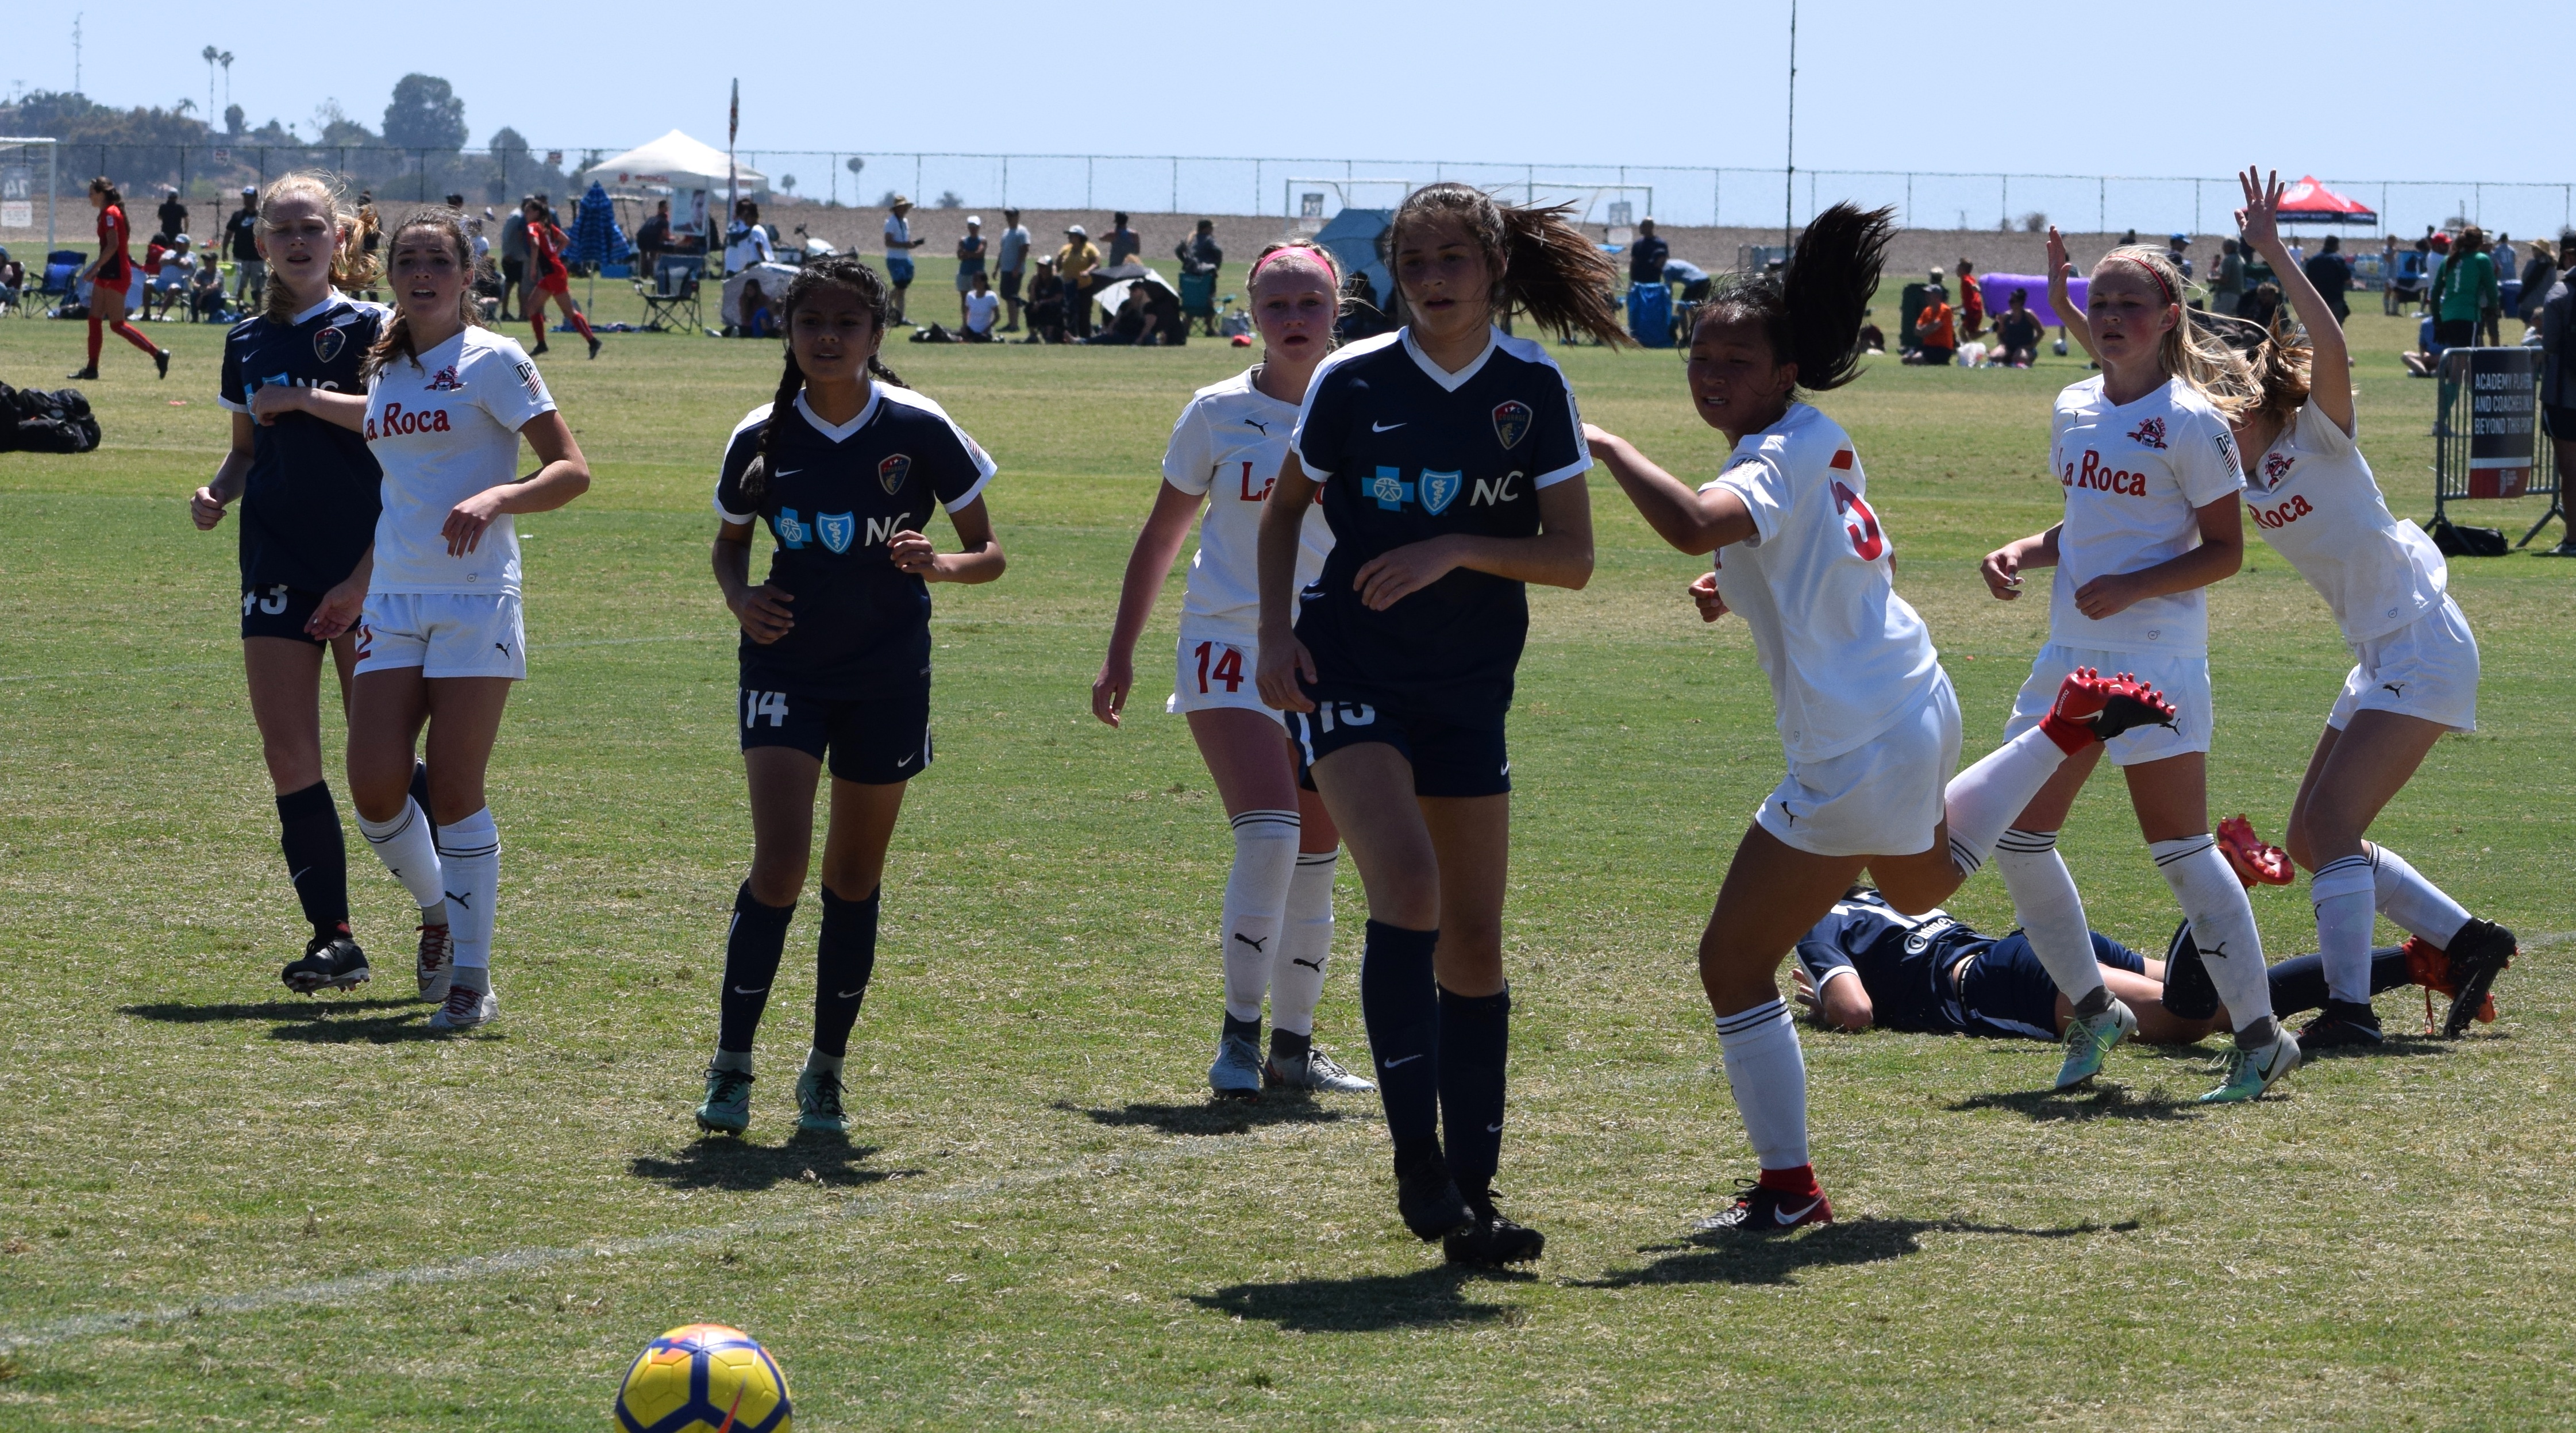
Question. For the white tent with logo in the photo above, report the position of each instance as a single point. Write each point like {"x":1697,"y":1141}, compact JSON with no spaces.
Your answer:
{"x":674,"y":162}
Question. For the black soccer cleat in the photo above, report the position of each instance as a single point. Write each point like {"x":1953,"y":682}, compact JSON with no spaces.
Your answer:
{"x":594,"y":348}
{"x":161,"y":360}
{"x":1426,"y":1196}
{"x":2479,"y":953}
{"x":2189,"y":992}
{"x":2345,"y":1025}
{"x":88,"y":374}
{"x":331,"y":962}
{"x":1761,"y":1212}
{"x":1490,"y":1241}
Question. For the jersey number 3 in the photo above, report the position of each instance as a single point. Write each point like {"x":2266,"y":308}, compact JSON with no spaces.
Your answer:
{"x":1860,"y":523}
{"x":1227,"y":666}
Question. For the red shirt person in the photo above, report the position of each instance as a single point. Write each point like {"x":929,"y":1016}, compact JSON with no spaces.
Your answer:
{"x":109,"y":278}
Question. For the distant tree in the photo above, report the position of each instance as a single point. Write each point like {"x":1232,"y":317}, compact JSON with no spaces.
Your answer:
{"x":275,"y":133}
{"x":887,"y":199}
{"x":948,"y":200}
{"x":787,"y":182}
{"x":2034,"y":222}
{"x":234,"y":120}
{"x":425,"y":114}
{"x":337,"y":128}
{"x":854,"y":164}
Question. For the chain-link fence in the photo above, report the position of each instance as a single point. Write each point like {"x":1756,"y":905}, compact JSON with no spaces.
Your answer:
{"x":1676,"y":195}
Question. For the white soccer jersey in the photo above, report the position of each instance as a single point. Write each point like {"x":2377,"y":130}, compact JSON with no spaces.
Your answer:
{"x":445,"y":429}
{"x":1228,"y":445}
{"x":2313,"y":498}
{"x":1846,"y":656}
{"x":2135,"y":475}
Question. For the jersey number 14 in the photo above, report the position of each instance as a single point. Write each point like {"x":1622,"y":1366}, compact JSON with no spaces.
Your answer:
{"x":1227,"y":666}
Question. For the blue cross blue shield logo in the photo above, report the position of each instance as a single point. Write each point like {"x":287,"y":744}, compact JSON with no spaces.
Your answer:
{"x":1389,"y":488}
{"x":1440,"y":489}
{"x":1511,"y":422}
{"x":837,"y":529}
{"x":792,"y":532}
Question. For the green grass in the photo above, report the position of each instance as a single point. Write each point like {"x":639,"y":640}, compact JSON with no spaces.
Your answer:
{"x":228,"y":1207}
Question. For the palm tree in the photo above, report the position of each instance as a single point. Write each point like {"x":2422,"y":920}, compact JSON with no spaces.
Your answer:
{"x":209,"y":55}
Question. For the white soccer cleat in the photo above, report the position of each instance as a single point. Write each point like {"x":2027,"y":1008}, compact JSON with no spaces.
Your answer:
{"x":436,"y":963}
{"x":1317,"y":1071}
{"x":2089,"y":1040}
{"x":1236,"y":1075}
{"x":466,"y":1008}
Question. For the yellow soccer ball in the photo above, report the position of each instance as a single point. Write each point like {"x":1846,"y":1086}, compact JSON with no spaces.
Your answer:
{"x":704,"y":1378}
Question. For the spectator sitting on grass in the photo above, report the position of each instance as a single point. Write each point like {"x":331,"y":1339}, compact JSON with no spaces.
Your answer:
{"x":981,"y":310}
{"x":1936,"y":340}
{"x":2017,"y":332}
{"x":1045,"y":307}
{"x":1873,"y":339}
{"x":754,"y":306}
{"x":1135,"y":323}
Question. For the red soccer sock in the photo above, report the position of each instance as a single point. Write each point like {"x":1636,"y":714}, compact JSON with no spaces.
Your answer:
{"x":538,"y":322}
{"x":1801,"y":1180}
{"x":580,"y":324}
{"x":96,"y":328}
{"x":134,"y":336}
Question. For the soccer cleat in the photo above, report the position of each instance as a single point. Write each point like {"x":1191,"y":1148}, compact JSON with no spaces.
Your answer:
{"x":818,"y":1102}
{"x":2105,"y":707}
{"x":1236,"y":1075}
{"x":2250,"y":1073}
{"x":2430,"y":967}
{"x":2089,"y":1038}
{"x":728,"y":1106}
{"x":331,"y":962}
{"x":466,"y":1008}
{"x":83,"y":373}
{"x":1426,"y":1196}
{"x":1317,"y":1071}
{"x":436,"y":964}
{"x":1761,"y":1211}
{"x":1490,"y":1241}
{"x":2479,"y":952}
{"x":594,"y":348}
{"x":539,"y":351}
{"x":2255,"y":863}
{"x":161,"y":360}
{"x":2344,"y":1025}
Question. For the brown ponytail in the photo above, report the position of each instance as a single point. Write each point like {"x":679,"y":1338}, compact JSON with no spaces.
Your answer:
{"x":1542,"y":265}
{"x":396,"y":339}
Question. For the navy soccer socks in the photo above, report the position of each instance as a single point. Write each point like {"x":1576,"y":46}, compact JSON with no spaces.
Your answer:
{"x":1475,"y":1037}
{"x":752,"y":946}
{"x":844,"y":958}
{"x":1399,"y":1004}
{"x":317,"y":859}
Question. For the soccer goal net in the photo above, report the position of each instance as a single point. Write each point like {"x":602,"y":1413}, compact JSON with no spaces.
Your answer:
{"x":1310,"y":204}
{"x":27,"y":184}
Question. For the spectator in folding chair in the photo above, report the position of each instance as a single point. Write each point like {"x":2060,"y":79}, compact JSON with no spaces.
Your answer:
{"x":1200,"y":258}
{"x":206,"y":292}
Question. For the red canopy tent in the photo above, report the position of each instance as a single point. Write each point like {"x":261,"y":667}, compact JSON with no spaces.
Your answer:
{"x":2308,"y":202}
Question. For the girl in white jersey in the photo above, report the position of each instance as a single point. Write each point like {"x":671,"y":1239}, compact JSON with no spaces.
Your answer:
{"x":436,"y":599}
{"x":1865,"y":712}
{"x":1277,"y":931}
{"x":2149,"y":469}
{"x":2415,"y":665}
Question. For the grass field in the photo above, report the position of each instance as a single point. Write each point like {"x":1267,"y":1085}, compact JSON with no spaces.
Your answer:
{"x":228,"y":1207}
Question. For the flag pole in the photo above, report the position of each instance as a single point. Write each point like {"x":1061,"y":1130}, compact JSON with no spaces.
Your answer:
{"x":733,"y":173}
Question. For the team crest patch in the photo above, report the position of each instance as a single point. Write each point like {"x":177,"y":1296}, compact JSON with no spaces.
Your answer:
{"x":2150,"y":434}
{"x":1511,"y":424}
{"x":1441,"y":489}
{"x":2276,"y":466}
{"x":328,"y":343}
{"x":446,"y":380}
{"x":892,"y":472}
{"x":836,"y":528}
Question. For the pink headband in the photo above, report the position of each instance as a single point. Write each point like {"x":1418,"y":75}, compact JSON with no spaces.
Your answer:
{"x":1309,"y":250}
{"x":2161,"y":286}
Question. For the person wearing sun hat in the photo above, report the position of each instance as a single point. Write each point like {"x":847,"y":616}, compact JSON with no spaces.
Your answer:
{"x":1074,"y":263}
{"x":899,"y":245}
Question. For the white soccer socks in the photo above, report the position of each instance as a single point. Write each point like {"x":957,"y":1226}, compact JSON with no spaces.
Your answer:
{"x":2345,"y":895}
{"x":1982,"y":801}
{"x":1305,"y":945}
{"x":469,"y":858}
{"x":1768,"y":1076}
{"x":2412,"y":901}
{"x":2051,"y":912}
{"x":1256,"y":899}
{"x":2222,"y":925}
{"x":409,"y":850}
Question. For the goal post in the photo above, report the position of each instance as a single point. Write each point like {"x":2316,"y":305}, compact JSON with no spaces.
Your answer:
{"x":21,"y":190}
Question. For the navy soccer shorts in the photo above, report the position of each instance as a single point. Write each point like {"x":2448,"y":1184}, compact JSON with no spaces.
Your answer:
{"x":277,"y":610}
{"x":1450,"y":755}
{"x":2006,"y":993}
{"x":874,"y":743}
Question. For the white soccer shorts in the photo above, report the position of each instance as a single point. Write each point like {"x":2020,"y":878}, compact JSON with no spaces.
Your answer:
{"x":1214,"y":670}
{"x":2427,"y":669}
{"x":445,"y":634}
{"x":1882,"y":798}
{"x":2183,"y":680}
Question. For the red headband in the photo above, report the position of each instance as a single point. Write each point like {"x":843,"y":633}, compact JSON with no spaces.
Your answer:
{"x":2161,"y":286}
{"x":1308,"y":250}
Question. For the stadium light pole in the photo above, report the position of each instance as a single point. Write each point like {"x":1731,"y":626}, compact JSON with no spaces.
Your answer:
{"x":1789,"y":178}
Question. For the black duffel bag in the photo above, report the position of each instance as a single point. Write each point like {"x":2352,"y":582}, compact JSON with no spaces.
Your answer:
{"x":35,"y":421}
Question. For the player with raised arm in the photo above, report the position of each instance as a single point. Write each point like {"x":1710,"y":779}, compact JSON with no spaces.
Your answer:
{"x":845,"y":467}
{"x":1450,"y":459}
{"x":436,"y":599}
{"x":1276,"y":935}
{"x":1865,"y":713}
{"x":2148,"y":463}
{"x":308,"y":494}
{"x":111,"y":278}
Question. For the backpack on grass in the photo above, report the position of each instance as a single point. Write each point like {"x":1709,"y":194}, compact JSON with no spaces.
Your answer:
{"x":33,"y":421}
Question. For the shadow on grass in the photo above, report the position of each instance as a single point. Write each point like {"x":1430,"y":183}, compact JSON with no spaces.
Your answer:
{"x":1722,"y":1258}
{"x":726,"y":1162}
{"x":319,"y":1021}
{"x":2098,"y":1102}
{"x":1428,"y":1298}
{"x":1214,"y":1116}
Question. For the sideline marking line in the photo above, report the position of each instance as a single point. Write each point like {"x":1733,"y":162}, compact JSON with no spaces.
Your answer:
{"x":520,"y":1261}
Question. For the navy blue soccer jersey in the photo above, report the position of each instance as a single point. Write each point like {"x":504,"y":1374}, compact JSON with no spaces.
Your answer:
{"x":834,"y":499}
{"x":1407,"y":452}
{"x":1903,"y":961}
{"x":309,"y":502}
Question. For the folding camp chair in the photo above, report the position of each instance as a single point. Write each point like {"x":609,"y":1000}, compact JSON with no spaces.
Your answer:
{"x":671,"y":299}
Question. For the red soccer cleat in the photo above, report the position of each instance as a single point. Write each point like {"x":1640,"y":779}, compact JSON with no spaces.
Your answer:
{"x":2256,"y":863}
{"x":1761,"y":1212}
{"x":2431,"y":969}
{"x":2092,"y":707}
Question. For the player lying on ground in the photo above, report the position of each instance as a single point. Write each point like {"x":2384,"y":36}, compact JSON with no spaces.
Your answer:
{"x":1869,"y":964}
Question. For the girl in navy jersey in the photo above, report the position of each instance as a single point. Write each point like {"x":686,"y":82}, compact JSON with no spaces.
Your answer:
{"x":307,"y":487}
{"x":845,"y":467}
{"x":1277,"y":932}
{"x":2415,"y":665}
{"x":436,"y":599}
{"x":1449,"y":457}
{"x":111,"y":277}
{"x":2148,"y":465}
{"x":1866,"y":714}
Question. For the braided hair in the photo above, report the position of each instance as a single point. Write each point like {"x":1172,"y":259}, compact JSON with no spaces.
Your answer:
{"x":850,"y":272}
{"x":1811,"y":311}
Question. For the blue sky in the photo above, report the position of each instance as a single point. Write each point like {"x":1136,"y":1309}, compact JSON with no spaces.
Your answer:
{"x":2008,"y":85}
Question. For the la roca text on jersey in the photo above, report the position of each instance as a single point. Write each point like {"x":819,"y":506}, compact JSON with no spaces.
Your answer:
{"x":396,"y":419}
{"x":2101,"y":476}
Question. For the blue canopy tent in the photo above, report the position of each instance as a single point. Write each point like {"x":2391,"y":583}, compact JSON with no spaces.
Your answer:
{"x":1351,"y":238}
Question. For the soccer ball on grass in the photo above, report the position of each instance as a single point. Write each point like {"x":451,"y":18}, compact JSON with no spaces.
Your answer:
{"x":703,"y":1378}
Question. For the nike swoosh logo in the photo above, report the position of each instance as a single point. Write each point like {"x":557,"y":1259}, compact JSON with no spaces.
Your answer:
{"x":291,"y":880}
{"x":1384,"y":427}
{"x":907,"y":761}
{"x":1495,"y":1128}
{"x":1391,"y":1064}
{"x":1788,"y":1216}
{"x":850,"y":994}
{"x":787,"y":472}
{"x":738,"y":990}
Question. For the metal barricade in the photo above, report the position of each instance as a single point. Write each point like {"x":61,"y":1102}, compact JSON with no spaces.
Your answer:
{"x":2486,"y":437}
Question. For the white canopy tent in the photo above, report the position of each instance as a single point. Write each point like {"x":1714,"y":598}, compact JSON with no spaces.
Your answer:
{"x":675,"y":162}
